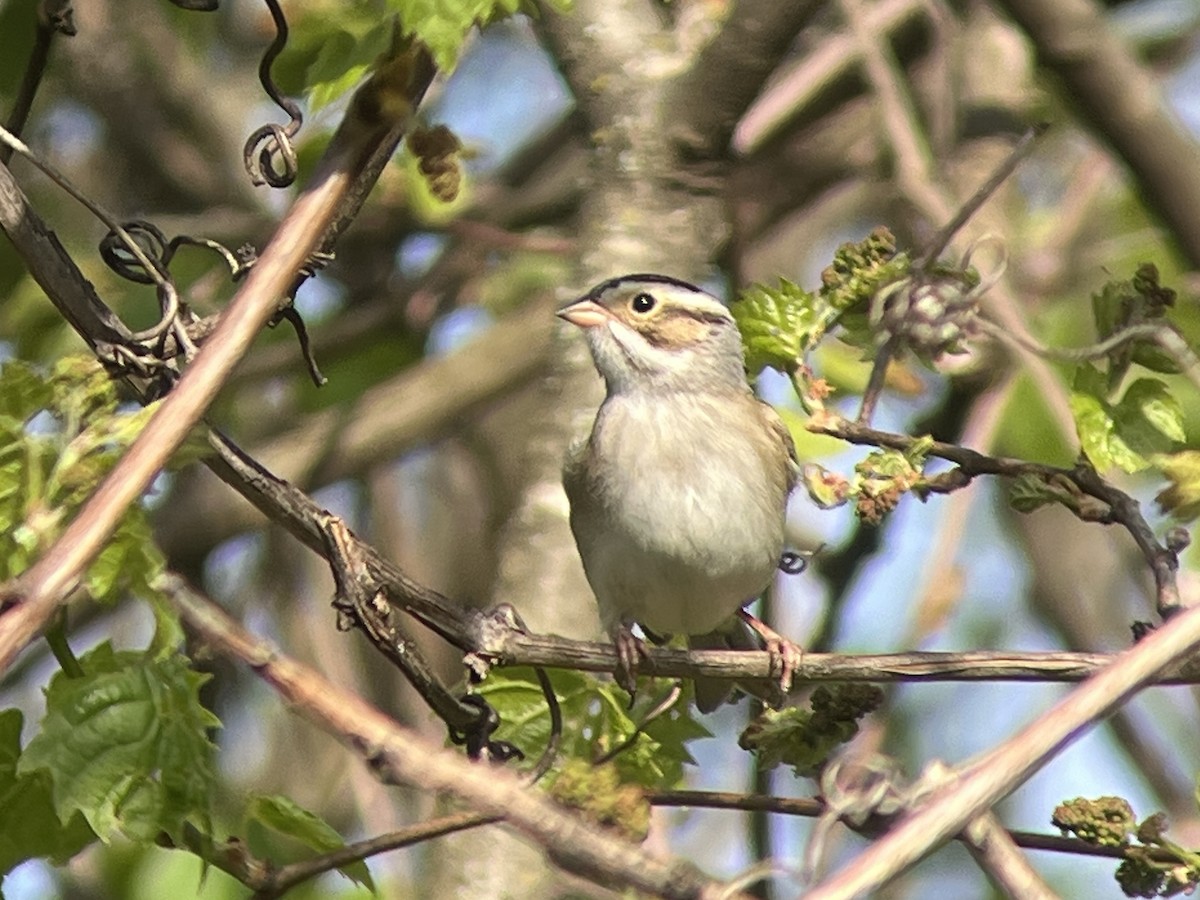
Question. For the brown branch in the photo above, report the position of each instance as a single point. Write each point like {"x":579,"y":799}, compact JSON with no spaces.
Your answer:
{"x":415,"y":407}
{"x":39,"y":591}
{"x":1124,"y":105}
{"x":981,"y":665}
{"x":1119,"y":506}
{"x":399,"y":755}
{"x":730,"y":70}
{"x":814,"y":807}
{"x":980,"y":785}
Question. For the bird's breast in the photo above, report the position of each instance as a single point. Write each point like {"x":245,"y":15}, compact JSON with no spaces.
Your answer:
{"x":684,"y":519}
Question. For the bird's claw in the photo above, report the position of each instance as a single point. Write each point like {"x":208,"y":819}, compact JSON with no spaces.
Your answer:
{"x":630,"y":651}
{"x":786,"y":655}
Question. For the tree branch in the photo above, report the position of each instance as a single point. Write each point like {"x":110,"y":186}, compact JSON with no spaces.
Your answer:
{"x":728,"y":73}
{"x":39,"y":590}
{"x":1124,"y":105}
{"x":399,"y":755}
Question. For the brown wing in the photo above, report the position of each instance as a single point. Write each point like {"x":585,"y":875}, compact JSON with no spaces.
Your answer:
{"x":785,"y":437}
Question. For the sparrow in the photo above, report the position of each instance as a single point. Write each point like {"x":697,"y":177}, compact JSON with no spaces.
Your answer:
{"x":678,"y":496}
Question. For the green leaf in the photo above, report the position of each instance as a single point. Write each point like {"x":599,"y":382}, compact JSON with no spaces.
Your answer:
{"x":1181,"y":498}
{"x":595,"y":720}
{"x":22,"y":391}
{"x":1147,"y":420}
{"x":777,"y":325}
{"x":344,"y":57}
{"x":1149,"y":417}
{"x":285,"y":816}
{"x":127,"y":745}
{"x":442,"y":25}
{"x":1097,"y":435}
{"x":29,"y":826}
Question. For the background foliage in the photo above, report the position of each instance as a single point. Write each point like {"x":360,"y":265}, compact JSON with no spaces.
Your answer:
{"x":130,"y":753}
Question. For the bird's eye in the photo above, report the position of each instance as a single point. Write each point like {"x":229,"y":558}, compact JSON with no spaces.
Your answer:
{"x":642,"y":303}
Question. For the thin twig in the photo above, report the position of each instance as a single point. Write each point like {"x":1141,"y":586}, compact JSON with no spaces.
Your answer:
{"x":398,"y":755}
{"x":1120,"y":507}
{"x":42,"y":588}
{"x":279,"y":881}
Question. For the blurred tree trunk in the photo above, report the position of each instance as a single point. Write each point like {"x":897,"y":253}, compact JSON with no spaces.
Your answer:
{"x":638,"y":215}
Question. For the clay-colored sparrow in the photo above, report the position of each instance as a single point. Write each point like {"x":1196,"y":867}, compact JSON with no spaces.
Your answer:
{"x":678,"y":496}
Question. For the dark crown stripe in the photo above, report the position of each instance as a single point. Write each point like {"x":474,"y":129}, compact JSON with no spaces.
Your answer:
{"x":649,"y":277}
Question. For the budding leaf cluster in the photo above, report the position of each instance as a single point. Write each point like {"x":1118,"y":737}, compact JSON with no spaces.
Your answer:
{"x":1153,"y":867}
{"x":805,"y":739}
{"x":598,"y":792}
{"x":781,"y":324}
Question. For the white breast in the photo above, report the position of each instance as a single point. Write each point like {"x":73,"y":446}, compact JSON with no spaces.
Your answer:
{"x":693,"y":528}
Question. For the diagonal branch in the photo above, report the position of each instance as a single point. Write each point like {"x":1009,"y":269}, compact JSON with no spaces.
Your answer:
{"x":399,"y":755}
{"x":1124,"y":104}
{"x":40,"y":590}
{"x":728,"y":73}
{"x":998,"y":773}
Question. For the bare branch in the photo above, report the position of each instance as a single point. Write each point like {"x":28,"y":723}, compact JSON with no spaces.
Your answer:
{"x":1123,"y":102}
{"x":399,"y":755}
{"x":42,"y":587}
{"x":1120,"y":507}
{"x":996,"y":774}
{"x":727,"y":74}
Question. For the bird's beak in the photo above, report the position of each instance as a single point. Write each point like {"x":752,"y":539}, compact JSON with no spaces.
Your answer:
{"x":584,"y":313}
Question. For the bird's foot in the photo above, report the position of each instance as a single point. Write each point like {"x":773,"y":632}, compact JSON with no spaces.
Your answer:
{"x":630,"y":651}
{"x":786,"y":655}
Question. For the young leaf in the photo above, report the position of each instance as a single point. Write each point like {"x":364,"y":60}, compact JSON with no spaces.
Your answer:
{"x":127,"y":745}
{"x":777,"y":325}
{"x":343,"y":58}
{"x":1181,"y":498}
{"x":1147,"y":420}
{"x":285,"y":816}
{"x":596,"y":719}
{"x":29,"y":826}
{"x":1098,"y":438}
{"x":442,"y":25}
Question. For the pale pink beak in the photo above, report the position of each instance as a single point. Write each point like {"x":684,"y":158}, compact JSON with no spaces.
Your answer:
{"x":585,"y":314}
